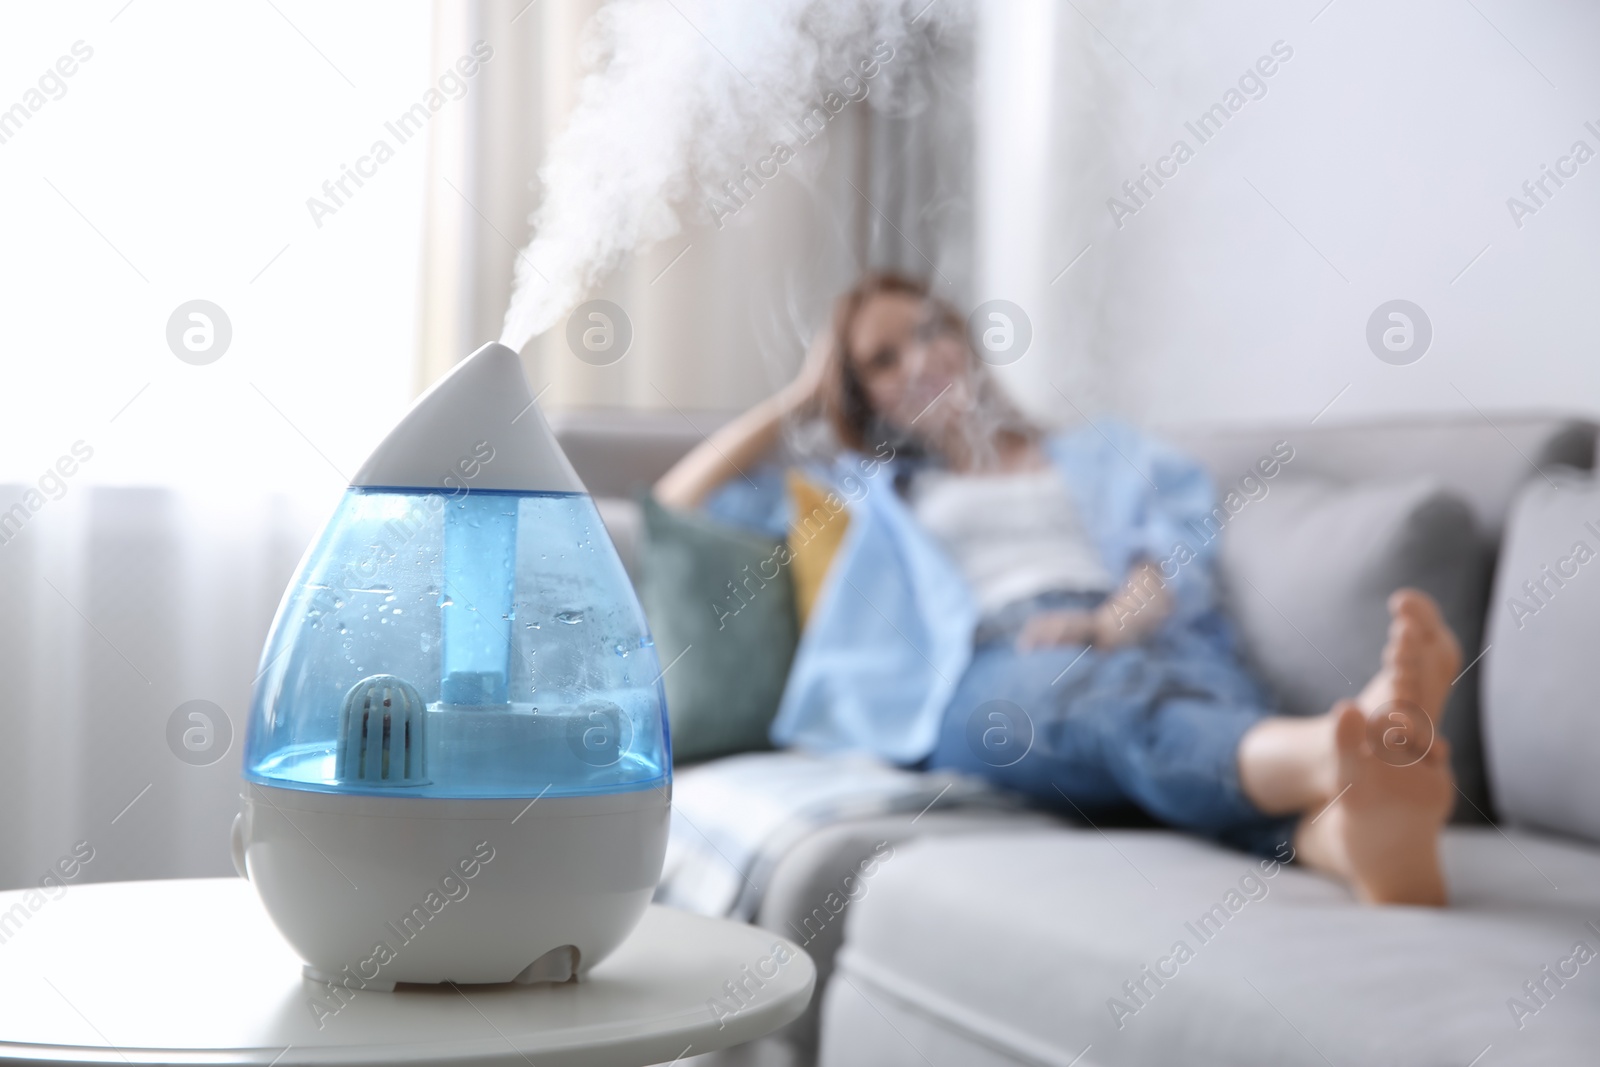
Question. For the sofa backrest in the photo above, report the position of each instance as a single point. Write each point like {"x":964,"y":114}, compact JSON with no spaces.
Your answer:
{"x":1483,"y":462}
{"x":618,"y":452}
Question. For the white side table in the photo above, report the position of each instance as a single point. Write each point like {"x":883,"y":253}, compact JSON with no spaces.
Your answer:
{"x":193,"y":972}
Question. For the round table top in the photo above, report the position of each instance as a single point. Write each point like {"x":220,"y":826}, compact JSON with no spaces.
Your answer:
{"x":193,"y":972}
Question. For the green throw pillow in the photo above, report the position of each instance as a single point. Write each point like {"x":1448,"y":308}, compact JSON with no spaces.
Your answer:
{"x":708,"y":601}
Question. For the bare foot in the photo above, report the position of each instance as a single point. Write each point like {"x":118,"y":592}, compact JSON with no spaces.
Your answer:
{"x":1380,"y":831}
{"x":1405,"y":700}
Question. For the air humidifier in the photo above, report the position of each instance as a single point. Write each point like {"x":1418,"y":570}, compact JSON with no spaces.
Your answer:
{"x":457,"y":765}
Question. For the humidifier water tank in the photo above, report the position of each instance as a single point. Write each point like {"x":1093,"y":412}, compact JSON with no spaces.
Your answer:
{"x":457,"y":765}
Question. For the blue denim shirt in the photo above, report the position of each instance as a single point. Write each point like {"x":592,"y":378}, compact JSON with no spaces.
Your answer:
{"x":892,"y":629}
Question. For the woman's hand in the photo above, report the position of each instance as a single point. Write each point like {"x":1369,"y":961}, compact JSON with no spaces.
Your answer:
{"x":1113,"y":629}
{"x":1049,"y":628}
{"x":804,"y":394}
{"x":1126,"y":617}
{"x":1131,"y":613}
{"x":1100,"y":628}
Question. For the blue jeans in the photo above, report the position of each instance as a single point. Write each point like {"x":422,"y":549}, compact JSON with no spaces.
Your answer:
{"x":1154,"y":727}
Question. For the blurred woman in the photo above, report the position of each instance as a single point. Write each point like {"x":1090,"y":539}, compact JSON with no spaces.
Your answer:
{"x":1029,"y":607}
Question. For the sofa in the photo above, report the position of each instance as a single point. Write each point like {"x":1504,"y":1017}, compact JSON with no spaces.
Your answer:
{"x":1007,"y":936}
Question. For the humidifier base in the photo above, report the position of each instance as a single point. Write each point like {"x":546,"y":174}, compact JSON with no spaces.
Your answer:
{"x":374,"y":890}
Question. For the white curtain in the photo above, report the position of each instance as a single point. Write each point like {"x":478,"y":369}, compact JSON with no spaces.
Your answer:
{"x":121,"y":605}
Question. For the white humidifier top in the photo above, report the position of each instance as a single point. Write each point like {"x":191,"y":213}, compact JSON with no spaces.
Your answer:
{"x":485,"y":397}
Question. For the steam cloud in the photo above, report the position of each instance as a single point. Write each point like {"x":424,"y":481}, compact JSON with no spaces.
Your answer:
{"x":680,"y":95}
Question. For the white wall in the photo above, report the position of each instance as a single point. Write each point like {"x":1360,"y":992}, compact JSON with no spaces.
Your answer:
{"x":1381,"y":159}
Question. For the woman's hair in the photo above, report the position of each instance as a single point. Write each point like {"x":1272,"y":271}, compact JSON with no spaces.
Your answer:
{"x":844,"y":398}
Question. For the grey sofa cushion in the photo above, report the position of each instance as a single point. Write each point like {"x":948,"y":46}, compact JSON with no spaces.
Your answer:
{"x":1542,"y":679}
{"x":1008,"y":948}
{"x":807,"y":892}
{"x":1307,"y":570}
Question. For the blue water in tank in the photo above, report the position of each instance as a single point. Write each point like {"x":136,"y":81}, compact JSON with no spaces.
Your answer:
{"x":478,"y":645}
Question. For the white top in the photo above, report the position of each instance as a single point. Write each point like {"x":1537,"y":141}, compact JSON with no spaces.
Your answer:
{"x":193,"y":972}
{"x":477,"y":427}
{"x":1013,"y":535}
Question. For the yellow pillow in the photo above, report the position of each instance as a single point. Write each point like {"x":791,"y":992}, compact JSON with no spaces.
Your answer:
{"x":815,"y":531}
